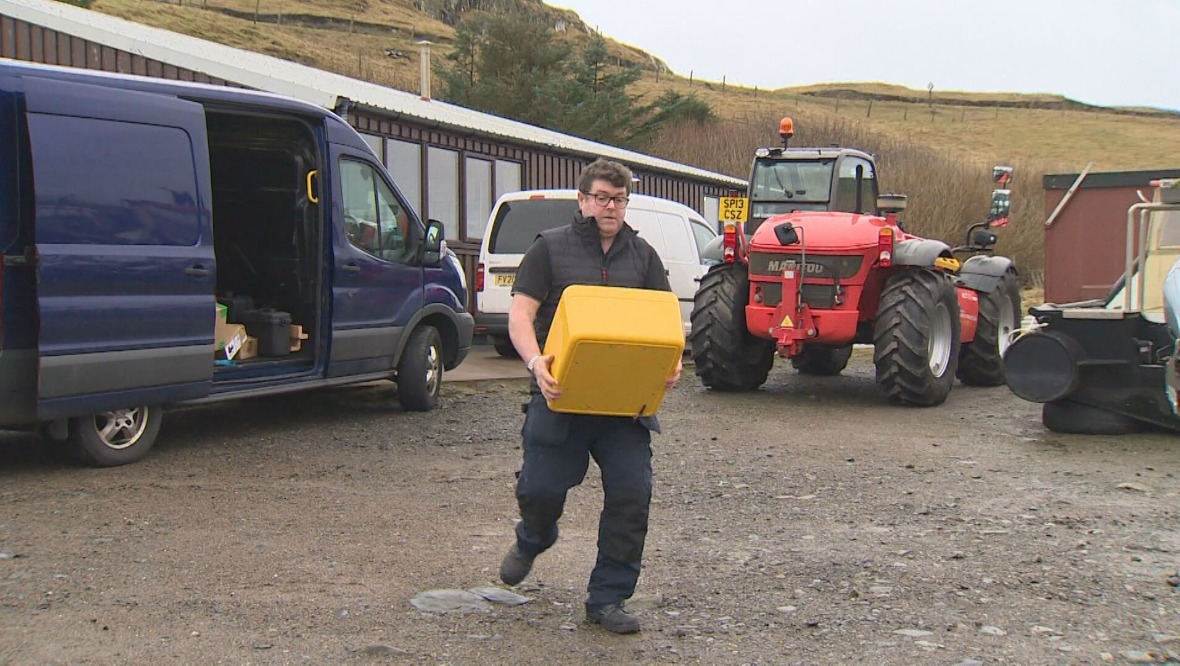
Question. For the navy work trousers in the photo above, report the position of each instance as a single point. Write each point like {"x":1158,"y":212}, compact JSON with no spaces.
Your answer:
{"x":557,"y":450}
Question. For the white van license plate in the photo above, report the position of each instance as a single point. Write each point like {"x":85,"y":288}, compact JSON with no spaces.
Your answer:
{"x":505,"y":280}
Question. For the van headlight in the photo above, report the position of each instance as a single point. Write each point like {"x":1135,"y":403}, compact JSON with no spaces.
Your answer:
{"x":451,"y":259}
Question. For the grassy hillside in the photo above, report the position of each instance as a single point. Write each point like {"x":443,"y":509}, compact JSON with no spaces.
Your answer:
{"x":936,"y":146}
{"x":377,"y":40}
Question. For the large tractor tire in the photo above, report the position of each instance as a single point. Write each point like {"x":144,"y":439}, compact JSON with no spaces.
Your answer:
{"x":822,"y":360}
{"x":726,"y":356}
{"x":1067,"y":416}
{"x":916,"y":337}
{"x":981,"y":361}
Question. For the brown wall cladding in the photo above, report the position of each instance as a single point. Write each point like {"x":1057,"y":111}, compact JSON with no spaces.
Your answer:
{"x":1085,"y":247}
{"x":20,"y":40}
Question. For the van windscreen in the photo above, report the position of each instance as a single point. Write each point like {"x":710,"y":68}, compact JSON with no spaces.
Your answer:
{"x":517,"y":223}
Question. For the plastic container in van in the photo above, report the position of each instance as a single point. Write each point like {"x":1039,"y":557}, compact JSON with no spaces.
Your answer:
{"x":272,"y":328}
{"x":613,"y":348}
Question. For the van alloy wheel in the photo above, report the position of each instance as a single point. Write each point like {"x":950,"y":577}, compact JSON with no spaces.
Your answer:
{"x":420,"y":371}
{"x":115,"y":437}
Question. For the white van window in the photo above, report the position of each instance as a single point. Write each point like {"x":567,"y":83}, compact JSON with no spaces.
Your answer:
{"x":702,"y":233}
{"x":677,"y":244}
{"x":517,"y":223}
{"x":374,"y":220}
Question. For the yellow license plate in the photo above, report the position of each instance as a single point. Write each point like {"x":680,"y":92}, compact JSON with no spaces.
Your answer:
{"x":734,"y":209}
{"x":505,"y":280}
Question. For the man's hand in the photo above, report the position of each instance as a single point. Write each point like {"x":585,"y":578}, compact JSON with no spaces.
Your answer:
{"x":548,"y":384}
{"x":670,"y":382}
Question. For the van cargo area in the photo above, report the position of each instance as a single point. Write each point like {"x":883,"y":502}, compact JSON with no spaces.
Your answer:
{"x":266,"y":236}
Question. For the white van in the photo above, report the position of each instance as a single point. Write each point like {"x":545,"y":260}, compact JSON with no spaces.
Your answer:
{"x":677,"y":232}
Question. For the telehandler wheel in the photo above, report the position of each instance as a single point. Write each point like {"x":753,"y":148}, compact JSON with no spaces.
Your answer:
{"x":117,"y":437}
{"x":420,"y":371}
{"x":822,"y":360}
{"x":1073,"y":418}
{"x":981,"y":362}
{"x":726,"y":356}
{"x":916,"y":337}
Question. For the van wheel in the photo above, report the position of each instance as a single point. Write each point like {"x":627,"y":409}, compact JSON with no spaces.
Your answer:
{"x":117,"y":437}
{"x":504,"y":347}
{"x":420,"y":371}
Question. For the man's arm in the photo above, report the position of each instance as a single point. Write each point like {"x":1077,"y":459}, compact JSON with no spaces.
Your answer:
{"x":533,"y":280}
{"x":521,"y":315}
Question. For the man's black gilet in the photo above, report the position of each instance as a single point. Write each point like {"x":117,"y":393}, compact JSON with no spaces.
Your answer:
{"x":576,"y":257}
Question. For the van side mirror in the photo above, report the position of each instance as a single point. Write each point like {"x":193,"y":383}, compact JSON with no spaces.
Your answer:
{"x":1001,"y":206}
{"x":432,"y":245}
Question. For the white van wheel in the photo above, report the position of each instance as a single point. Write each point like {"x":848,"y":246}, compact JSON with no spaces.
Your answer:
{"x":117,"y":437}
{"x":504,"y":347}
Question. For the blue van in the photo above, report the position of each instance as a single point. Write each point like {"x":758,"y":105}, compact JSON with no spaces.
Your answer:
{"x":170,"y":243}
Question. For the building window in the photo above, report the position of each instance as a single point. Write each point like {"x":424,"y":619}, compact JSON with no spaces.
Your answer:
{"x":374,"y":142}
{"x":479,"y":196}
{"x":442,"y":199}
{"x":508,"y":177}
{"x":404,"y":161}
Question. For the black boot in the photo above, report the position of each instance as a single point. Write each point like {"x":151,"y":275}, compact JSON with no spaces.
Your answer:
{"x":614,"y":618}
{"x":516,"y":566}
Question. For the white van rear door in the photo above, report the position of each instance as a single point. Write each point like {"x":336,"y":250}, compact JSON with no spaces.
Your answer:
{"x":515,"y":225}
{"x":669,"y":235}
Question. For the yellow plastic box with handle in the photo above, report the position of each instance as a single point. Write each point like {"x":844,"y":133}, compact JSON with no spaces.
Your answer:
{"x":613,"y":348}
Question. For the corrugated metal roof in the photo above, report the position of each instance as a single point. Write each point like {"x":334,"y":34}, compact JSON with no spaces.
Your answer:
{"x":314,"y":85}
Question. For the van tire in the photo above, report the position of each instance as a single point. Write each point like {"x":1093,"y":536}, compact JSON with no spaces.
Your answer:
{"x":504,"y":347}
{"x":116,"y":437}
{"x":420,"y":371}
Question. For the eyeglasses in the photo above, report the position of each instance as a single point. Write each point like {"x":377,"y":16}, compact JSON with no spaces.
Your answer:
{"x":603,"y":199}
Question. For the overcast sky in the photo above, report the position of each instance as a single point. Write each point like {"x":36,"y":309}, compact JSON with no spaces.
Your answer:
{"x":1105,"y":52}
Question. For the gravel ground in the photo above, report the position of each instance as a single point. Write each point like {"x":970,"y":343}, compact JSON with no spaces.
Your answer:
{"x":806,"y":523}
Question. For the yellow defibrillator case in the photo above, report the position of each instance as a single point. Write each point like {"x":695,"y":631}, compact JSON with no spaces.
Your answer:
{"x":613,"y":348}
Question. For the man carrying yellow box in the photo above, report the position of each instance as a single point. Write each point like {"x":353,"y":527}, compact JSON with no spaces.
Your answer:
{"x":596,"y":248}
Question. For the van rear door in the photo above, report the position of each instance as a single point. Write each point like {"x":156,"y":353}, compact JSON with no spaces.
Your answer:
{"x":126,"y":274}
{"x":515,"y":224}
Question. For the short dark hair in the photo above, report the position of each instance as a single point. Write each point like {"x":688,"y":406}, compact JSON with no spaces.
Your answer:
{"x":603,"y":169}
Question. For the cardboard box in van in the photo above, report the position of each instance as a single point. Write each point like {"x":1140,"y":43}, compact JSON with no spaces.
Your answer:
{"x":676,"y":232}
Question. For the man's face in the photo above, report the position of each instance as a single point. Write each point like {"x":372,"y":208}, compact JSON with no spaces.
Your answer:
{"x":610,"y":215}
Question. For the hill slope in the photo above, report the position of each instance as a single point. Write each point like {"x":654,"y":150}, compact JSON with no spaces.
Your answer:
{"x":377,"y":40}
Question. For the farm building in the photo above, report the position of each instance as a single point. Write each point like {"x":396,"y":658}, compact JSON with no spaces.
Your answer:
{"x":1086,"y":230}
{"x":450,"y":163}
